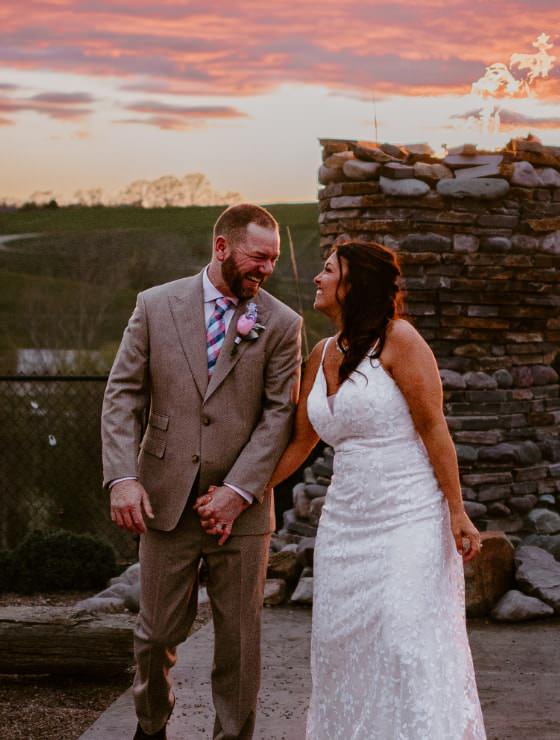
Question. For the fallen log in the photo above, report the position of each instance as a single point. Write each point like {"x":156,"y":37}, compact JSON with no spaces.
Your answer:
{"x":43,"y":639}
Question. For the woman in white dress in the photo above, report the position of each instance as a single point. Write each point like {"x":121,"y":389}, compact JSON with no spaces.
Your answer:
{"x":390,"y":653}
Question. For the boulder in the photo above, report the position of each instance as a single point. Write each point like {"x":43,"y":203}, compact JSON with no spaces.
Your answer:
{"x":338,"y":159}
{"x":370,"y":152}
{"x":303,"y":593}
{"x":525,"y":175}
{"x":544,"y":521}
{"x":515,"y":606}
{"x":482,"y":188}
{"x":500,"y":453}
{"x":465,"y":243}
{"x":548,"y":542}
{"x":302,"y":502}
{"x":355,"y":169}
{"x":274,"y":591}
{"x":538,"y":574}
{"x":551,"y":243}
{"x":451,"y":380}
{"x":549,"y":177}
{"x":132,"y":598}
{"x":407,"y":188}
{"x":465,"y":454}
{"x":284,"y":564}
{"x":489,"y":575}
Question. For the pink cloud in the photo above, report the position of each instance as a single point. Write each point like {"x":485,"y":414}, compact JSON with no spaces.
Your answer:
{"x":62,"y":106}
{"x":250,"y":47}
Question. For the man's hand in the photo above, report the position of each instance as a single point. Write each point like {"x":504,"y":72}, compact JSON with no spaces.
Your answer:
{"x":218,"y":509}
{"x":128,"y":500}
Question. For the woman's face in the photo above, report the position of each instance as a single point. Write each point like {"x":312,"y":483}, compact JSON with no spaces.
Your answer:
{"x":331,"y":287}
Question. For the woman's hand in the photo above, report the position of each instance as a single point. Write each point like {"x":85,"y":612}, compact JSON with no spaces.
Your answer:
{"x":463,"y":528}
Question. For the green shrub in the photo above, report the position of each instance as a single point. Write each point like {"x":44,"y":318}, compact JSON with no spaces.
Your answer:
{"x":60,"y":560}
{"x":6,"y":570}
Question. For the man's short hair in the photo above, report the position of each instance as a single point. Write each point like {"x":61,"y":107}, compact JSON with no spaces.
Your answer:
{"x":232,"y":223}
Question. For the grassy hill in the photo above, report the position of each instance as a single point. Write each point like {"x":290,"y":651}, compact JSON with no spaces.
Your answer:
{"x":73,"y":286}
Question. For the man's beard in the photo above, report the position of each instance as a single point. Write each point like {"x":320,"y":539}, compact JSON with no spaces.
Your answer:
{"x":234,"y":279}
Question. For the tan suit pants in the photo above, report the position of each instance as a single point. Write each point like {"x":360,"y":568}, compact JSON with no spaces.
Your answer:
{"x":169,"y":563}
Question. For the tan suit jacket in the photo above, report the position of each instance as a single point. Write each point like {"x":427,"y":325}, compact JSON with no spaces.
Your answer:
{"x":234,"y":427}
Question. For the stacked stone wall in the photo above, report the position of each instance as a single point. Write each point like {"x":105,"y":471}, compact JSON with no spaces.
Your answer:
{"x":478,"y":238}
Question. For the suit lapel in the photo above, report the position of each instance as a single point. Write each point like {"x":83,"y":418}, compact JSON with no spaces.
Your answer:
{"x":187,"y":310}
{"x":226,"y":362}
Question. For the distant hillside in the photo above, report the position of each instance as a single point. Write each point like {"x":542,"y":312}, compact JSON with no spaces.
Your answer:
{"x":74,"y":285}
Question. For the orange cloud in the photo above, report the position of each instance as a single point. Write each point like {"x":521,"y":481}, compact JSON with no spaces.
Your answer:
{"x":178,"y":117}
{"x":250,"y":47}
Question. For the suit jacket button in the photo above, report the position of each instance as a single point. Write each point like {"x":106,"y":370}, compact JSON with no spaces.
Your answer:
{"x":205,"y":421}
{"x":195,"y":459}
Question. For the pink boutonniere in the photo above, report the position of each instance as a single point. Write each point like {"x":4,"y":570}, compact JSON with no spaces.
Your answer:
{"x":247,"y":327}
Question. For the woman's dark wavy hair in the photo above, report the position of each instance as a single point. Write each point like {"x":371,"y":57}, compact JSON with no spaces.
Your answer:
{"x":372,"y":300}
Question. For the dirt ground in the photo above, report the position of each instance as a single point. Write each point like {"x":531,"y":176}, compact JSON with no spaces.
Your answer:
{"x":47,"y":707}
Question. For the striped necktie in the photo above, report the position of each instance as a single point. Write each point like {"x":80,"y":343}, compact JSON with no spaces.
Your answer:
{"x":216,"y":332}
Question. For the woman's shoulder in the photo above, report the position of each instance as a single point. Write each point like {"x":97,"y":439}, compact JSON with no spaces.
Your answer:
{"x":401,"y":331}
{"x":318,"y":351}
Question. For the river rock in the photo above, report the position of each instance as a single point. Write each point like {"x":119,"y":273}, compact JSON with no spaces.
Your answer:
{"x":305,"y":552}
{"x":538,"y":574}
{"x":480,"y":381}
{"x":548,"y":542}
{"x":525,"y":175}
{"x":544,"y":521}
{"x":503,"y":378}
{"x":369,"y":152}
{"x":489,"y":575}
{"x":544,"y":375}
{"x":523,"y":504}
{"x":323,"y":466}
{"x":515,"y":606}
{"x":399,"y":152}
{"x":398,"y":171}
{"x":407,"y":188}
{"x":551,"y":243}
{"x":484,"y":188}
{"x":302,"y":502}
{"x":315,"y":490}
{"x":465,"y":243}
{"x":274,"y":591}
{"x":451,"y":380}
{"x":338,"y":159}
{"x":284,"y":565}
{"x":356,"y":169}
{"x":303,"y":593}
{"x":549,"y":177}
{"x":466,"y":455}
{"x":330,"y":174}
{"x":474,"y":509}
{"x":431,"y":173}
{"x":315,"y":509}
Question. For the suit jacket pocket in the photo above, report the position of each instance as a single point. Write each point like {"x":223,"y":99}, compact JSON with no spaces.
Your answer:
{"x":159,"y":421}
{"x":154,"y":445}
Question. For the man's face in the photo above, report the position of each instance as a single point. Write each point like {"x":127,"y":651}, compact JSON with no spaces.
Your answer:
{"x":249,"y":263}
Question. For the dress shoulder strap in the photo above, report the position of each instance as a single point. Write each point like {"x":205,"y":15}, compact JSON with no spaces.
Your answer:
{"x":324,"y":352}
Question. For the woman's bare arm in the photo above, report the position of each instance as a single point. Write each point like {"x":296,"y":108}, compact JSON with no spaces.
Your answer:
{"x":304,"y":437}
{"x":413,"y":366}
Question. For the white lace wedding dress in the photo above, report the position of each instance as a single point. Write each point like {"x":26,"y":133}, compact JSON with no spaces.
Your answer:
{"x":390,"y":654}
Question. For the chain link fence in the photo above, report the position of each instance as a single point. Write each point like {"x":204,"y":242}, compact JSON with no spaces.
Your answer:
{"x":50,"y":460}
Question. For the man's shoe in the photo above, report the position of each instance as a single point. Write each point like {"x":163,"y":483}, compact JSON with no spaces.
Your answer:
{"x":141,"y":735}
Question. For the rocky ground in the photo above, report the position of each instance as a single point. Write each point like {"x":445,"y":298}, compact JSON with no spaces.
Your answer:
{"x":51,"y":708}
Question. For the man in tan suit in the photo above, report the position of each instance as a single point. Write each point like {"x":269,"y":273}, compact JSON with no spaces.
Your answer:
{"x":218,"y":408}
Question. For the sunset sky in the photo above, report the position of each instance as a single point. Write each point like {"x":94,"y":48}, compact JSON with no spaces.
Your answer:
{"x":98,"y":94}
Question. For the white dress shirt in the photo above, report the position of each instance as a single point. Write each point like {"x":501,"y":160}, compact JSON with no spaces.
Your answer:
{"x":209,"y":293}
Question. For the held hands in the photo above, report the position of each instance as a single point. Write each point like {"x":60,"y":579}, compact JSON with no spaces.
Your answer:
{"x":218,"y":509}
{"x":463,"y":529}
{"x":128,"y":500}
